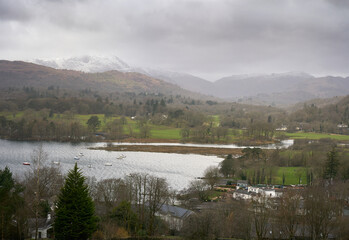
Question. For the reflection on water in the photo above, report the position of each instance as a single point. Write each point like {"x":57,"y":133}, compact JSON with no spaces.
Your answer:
{"x":178,"y":169}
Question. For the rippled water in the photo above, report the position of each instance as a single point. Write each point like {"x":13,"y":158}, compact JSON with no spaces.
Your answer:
{"x":178,"y":169}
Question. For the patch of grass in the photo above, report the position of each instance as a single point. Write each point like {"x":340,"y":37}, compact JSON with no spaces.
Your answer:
{"x":215,"y":119}
{"x":316,"y":136}
{"x":12,"y":115}
{"x":169,"y":133}
{"x":291,"y":175}
{"x":215,"y":194}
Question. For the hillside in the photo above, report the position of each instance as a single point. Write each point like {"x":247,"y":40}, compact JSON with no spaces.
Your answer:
{"x":282,"y":89}
{"x":18,"y":74}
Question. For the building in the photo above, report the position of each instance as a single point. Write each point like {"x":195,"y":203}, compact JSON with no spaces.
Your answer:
{"x":45,"y":227}
{"x":174,"y":216}
{"x":243,"y":194}
{"x":241,"y":184}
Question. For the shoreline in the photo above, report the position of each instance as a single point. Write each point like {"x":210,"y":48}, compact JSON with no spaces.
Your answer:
{"x":160,"y":140}
{"x":220,"y":152}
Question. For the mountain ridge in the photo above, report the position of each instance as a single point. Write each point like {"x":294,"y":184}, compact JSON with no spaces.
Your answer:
{"x":23,"y":74}
{"x":265,"y":89}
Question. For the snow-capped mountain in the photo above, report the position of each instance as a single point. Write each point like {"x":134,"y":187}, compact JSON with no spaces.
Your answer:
{"x":91,"y":64}
{"x":86,"y":63}
{"x":263,"y":88}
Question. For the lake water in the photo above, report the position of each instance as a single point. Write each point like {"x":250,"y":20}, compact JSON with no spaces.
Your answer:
{"x":178,"y":169}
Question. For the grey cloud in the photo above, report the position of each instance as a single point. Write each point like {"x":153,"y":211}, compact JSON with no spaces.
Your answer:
{"x":207,"y":37}
{"x":14,"y":11}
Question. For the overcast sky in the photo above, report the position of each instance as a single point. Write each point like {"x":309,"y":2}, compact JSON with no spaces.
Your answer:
{"x":211,"y":38}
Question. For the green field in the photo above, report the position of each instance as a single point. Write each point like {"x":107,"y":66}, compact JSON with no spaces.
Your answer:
{"x":215,"y":119}
{"x":160,"y":132}
{"x":316,"y":136}
{"x":291,"y":175}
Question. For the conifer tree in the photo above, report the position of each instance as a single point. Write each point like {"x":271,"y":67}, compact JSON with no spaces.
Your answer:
{"x":75,"y":217}
{"x":331,"y":165}
{"x":227,"y":166}
{"x":10,"y":201}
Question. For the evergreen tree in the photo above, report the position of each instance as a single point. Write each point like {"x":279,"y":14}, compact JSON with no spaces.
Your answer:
{"x":75,"y":217}
{"x":10,"y":201}
{"x":227,"y":166}
{"x":331,"y":165}
{"x":93,"y":123}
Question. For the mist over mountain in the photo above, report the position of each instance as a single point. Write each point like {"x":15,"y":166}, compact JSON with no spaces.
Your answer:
{"x":276,"y":88}
{"x":94,"y":64}
{"x":18,"y":74}
{"x":86,"y":63}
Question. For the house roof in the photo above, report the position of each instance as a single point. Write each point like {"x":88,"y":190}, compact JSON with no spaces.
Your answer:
{"x":42,"y":223}
{"x":175,"y":211}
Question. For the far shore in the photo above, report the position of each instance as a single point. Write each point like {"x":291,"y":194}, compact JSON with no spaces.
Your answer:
{"x":160,"y":140}
{"x":174,"y":149}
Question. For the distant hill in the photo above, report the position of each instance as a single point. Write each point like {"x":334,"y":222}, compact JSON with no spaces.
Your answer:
{"x":251,"y":85}
{"x":19,"y":74}
{"x":87,"y":63}
{"x":95,"y":64}
{"x":319,"y":102}
{"x":184,"y":80}
{"x":262,"y":89}
{"x":273,"y":89}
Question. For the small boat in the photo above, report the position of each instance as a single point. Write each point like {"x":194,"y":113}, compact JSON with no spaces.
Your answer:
{"x":76,"y":158}
{"x":81,"y":154}
{"x":89,"y":166}
{"x":108,"y":164}
{"x":56,"y":163}
{"x":26,"y":163}
{"x":122,"y":156}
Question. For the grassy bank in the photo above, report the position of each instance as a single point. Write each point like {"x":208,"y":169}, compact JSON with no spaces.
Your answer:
{"x":316,"y":136}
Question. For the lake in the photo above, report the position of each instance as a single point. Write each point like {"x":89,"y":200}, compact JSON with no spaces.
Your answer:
{"x":178,"y":169}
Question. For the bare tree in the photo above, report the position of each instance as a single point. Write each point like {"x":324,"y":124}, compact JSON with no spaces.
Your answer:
{"x":144,"y":131}
{"x":110,"y":192}
{"x":262,"y":212}
{"x":211,"y":176}
{"x":199,"y":189}
{"x":158,"y":195}
{"x":288,"y":211}
{"x":242,"y":219}
{"x":321,"y":211}
{"x":42,"y":183}
{"x":39,"y":158}
{"x":149,"y":193}
{"x":204,"y":226}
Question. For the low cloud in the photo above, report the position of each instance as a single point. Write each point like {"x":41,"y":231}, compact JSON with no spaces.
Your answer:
{"x":208,"y":38}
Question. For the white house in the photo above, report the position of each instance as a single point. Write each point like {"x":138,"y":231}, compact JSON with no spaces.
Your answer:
{"x":44,"y":227}
{"x":243,"y":194}
{"x":268,"y":192}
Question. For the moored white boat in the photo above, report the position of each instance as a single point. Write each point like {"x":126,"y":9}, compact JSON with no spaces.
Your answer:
{"x":122,"y":156}
{"x":108,"y":164}
{"x":26,"y":163}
